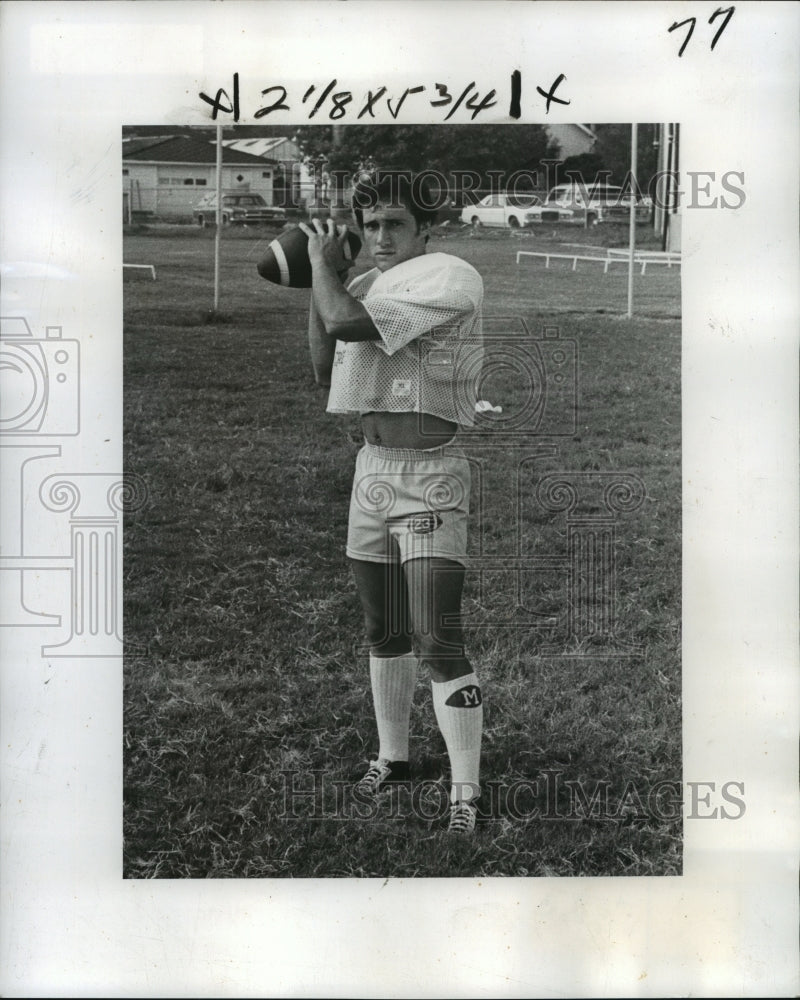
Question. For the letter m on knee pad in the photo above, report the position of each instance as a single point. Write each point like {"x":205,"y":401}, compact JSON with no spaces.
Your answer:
{"x":466,"y":697}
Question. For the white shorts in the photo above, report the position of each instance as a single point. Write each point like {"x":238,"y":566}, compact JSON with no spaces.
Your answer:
{"x":409,"y":504}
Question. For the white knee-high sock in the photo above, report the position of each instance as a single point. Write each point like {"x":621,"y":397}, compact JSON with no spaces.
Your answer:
{"x":459,"y":711}
{"x":393,"y":680}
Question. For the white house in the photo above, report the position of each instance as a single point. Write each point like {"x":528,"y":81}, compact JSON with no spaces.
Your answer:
{"x":572,"y":140}
{"x":298,"y":175}
{"x":167,"y":175}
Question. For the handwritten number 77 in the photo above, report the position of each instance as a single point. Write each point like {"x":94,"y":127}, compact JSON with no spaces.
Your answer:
{"x":692,"y":21}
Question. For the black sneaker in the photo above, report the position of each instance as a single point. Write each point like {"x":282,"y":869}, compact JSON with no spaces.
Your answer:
{"x":464,"y":816}
{"x":381,"y":774}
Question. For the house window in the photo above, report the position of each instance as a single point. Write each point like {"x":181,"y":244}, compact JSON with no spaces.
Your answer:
{"x":124,"y":171}
{"x":266,"y":173}
{"x":200,"y":181}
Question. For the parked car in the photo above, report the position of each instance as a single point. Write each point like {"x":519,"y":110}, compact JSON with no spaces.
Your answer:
{"x":238,"y":209}
{"x":515,"y":211}
{"x":553,"y":213}
{"x":599,"y":201}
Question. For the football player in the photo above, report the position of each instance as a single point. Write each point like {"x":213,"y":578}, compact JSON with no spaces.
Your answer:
{"x":404,"y":345}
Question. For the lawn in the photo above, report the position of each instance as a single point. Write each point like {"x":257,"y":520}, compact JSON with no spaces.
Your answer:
{"x":247,"y":707}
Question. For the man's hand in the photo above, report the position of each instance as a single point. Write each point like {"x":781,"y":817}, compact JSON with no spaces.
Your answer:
{"x":326,"y":246}
{"x":342,"y":316}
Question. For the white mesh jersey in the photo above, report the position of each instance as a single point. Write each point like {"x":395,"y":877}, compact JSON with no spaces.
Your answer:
{"x":428,"y":313}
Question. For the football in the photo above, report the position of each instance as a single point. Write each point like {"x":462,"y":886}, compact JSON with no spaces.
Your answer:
{"x":286,"y":259}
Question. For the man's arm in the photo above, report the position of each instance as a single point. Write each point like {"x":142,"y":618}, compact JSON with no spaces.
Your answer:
{"x":342,"y":316}
{"x":322,"y":347}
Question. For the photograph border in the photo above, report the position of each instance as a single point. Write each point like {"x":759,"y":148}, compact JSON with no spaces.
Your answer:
{"x":73,"y":73}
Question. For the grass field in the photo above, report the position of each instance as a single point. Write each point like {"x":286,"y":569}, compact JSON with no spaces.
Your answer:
{"x":244,"y":678}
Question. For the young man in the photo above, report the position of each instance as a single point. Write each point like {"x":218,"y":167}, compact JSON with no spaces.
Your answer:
{"x":407,"y":359}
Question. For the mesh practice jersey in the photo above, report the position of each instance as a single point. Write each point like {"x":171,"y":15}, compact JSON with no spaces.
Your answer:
{"x":427,"y":311}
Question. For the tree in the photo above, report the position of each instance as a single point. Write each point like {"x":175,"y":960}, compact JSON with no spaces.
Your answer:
{"x":614,"y":149}
{"x":585,"y":167}
{"x":484,"y":151}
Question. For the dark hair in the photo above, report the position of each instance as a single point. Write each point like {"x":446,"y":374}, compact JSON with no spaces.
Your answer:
{"x":396,"y":188}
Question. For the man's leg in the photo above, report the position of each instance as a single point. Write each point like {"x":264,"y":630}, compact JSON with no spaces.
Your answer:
{"x":435,"y":586}
{"x":392,"y":666}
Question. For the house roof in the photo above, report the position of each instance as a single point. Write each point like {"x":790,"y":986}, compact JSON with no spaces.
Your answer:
{"x":182,"y":149}
{"x":586,"y":129}
{"x":131,"y":147}
{"x":258,"y":146}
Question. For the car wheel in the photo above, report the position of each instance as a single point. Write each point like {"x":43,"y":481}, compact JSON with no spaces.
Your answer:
{"x":201,"y":221}
{"x":513,"y":221}
{"x":475,"y":221}
{"x":226,"y":220}
{"x":591,"y":218}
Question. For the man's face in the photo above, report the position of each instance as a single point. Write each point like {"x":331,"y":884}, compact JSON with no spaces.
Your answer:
{"x":391,"y":235}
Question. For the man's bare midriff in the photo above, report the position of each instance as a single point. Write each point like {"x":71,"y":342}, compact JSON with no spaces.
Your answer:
{"x":407,"y":430}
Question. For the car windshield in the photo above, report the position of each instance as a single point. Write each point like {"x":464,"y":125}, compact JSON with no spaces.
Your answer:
{"x":524,"y":199}
{"x":243,"y":199}
{"x":596,"y":192}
